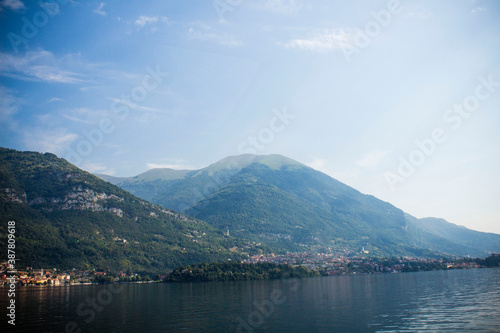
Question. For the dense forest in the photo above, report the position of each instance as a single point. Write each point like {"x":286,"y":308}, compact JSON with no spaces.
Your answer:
{"x":491,"y":261}
{"x":232,"y":271}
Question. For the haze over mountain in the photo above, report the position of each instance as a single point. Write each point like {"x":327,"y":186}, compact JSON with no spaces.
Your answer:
{"x":289,"y":206}
{"x":68,"y":218}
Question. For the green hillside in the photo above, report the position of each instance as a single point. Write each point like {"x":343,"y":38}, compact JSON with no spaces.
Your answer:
{"x":469,"y":241}
{"x":68,"y":218}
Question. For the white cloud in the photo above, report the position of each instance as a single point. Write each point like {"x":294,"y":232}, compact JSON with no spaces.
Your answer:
{"x":9,"y":104}
{"x":53,"y":141}
{"x":478,"y":9}
{"x":36,"y":66}
{"x":78,"y":120}
{"x":54,"y":99}
{"x":143,"y":20}
{"x":349,"y":177}
{"x":142,"y":108}
{"x":418,"y":14}
{"x":325,"y":41}
{"x":52,"y":74}
{"x":84,"y":115}
{"x":99,"y":10}
{"x":98,"y":168}
{"x":89,"y":112}
{"x":12,"y":4}
{"x":317,"y":164}
{"x":162,"y":166}
{"x":169,"y":166}
{"x":279,"y":6}
{"x":208,"y":35}
{"x":372,"y":159}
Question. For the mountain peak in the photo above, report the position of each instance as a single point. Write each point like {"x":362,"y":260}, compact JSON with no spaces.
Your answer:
{"x":273,"y":161}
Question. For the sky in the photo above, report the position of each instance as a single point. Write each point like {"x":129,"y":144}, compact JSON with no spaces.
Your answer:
{"x":398,"y":99}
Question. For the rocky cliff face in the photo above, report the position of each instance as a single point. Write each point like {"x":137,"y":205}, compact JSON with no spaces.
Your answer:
{"x":11,"y":195}
{"x":78,"y":198}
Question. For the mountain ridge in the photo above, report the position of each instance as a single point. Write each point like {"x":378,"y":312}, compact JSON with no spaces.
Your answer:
{"x":260,"y":197}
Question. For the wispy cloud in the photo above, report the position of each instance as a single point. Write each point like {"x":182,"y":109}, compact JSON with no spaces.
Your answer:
{"x":53,"y":141}
{"x":54,"y":99}
{"x":12,"y":5}
{"x":422,"y":15}
{"x":205,"y":33}
{"x":137,"y":107}
{"x":317,"y":164}
{"x":78,"y":120}
{"x":98,"y":168}
{"x":36,"y":66}
{"x":9,"y":105}
{"x":325,"y":41}
{"x":151,"y":21}
{"x":478,"y":9}
{"x":170,"y":166}
{"x":84,"y":115}
{"x":279,"y":6}
{"x":99,"y":10}
{"x":373,"y":158}
{"x":143,"y":20}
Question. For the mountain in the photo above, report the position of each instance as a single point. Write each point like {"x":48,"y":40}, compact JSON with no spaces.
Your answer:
{"x":291,"y":207}
{"x":68,"y":218}
{"x":468,"y":239}
{"x":180,"y":189}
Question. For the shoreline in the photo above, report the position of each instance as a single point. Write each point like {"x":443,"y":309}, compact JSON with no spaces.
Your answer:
{"x":269,"y":279}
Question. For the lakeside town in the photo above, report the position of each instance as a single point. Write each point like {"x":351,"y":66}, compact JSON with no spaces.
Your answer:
{"x":333,"y":264}
{"x":324,"y":263}
{"x":55,"y":277}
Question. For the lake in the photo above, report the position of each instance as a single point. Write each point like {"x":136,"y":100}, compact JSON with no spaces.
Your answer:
{"x":457,"y":300}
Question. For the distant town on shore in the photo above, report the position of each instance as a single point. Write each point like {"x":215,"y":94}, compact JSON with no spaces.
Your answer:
{"x":273,"y":266}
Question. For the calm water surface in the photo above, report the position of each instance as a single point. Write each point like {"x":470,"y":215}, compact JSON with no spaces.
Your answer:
{"x":453,"y":301}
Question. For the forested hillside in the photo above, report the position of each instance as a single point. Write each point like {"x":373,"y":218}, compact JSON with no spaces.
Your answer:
{"x":69,"y":218}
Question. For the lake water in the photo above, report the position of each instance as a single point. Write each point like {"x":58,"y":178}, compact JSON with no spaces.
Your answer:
{"x":460,"y":300}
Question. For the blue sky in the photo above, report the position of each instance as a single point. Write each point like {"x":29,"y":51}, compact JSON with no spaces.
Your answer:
{"x":399,"y":99}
